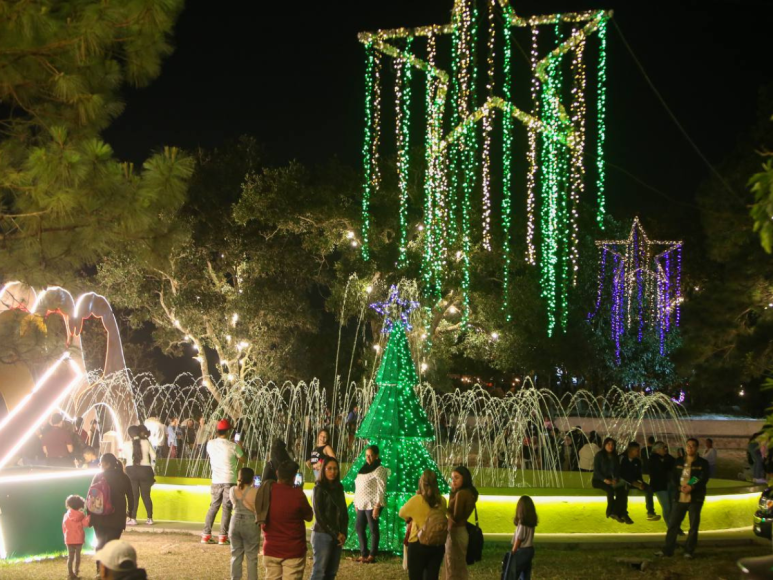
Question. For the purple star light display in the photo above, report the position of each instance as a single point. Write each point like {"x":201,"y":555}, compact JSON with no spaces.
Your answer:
{"x":645,"y":287}
{"x":395,"y":308}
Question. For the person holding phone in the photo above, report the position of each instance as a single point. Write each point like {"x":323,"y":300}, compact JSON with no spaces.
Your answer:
{"x":224,"y":456}
{"x":331,"y":522}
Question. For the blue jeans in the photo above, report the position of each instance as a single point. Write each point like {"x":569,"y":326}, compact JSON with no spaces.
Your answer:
{"x":664,"y":499}
{"x":327,"y":556}
{"x":245,"y":541}
{"x":219,"y":496}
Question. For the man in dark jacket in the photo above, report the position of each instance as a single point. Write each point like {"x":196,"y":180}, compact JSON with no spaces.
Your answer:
{"x":631,"y":474}
{"x":661,"y":466}
{"x":691,"y":474}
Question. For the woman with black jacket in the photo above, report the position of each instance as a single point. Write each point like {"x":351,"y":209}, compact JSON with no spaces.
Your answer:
{"x":606,"y":476}
{"x":331,"y":521}
{"x":110,"y":526}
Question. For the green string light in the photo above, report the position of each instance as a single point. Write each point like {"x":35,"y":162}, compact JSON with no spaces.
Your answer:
{"x":403,"y":73}
{"x":601,"y":109}
{"x":507,"y":174}
{"x":372,"y":177}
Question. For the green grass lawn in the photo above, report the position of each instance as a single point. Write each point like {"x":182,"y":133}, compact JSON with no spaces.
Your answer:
{"x":181,"y":557}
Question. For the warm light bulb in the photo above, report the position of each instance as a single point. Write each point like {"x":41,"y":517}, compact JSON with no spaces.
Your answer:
{"x":452,"y":309}
{"x":495,"y":335}
{"x":369,"y":289}
{"x":350,"y":235}
{"x":376,"y":347}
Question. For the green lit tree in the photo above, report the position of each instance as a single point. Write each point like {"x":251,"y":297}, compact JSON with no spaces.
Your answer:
{"x":399,"y":426}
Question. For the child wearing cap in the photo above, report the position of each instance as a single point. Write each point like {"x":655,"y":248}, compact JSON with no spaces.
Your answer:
{"x":73,"y":524}
{"x":224,"y":456}
{"x":118,"y":561}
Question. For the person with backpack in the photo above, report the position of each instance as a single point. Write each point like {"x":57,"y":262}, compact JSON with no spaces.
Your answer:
{"x":244,"y":531}
{"x":460,"y":507}
{"x":110,"y":500}
{"x":140,"y":458}
{"x":331,"y":522}
{"x":520,"y":559}
{"x":369,"y":500}
{"x":427,"y":513}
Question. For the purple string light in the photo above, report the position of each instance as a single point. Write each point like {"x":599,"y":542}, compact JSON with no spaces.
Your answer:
{"x":395,"y":308}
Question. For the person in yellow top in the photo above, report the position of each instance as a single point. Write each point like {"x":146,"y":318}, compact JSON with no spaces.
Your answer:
{"x":426,"y":556}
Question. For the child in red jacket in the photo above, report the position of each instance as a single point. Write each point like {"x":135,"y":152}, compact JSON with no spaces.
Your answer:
{"x":74,"y":535}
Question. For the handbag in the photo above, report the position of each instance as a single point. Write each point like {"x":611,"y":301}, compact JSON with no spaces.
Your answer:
{"x":507,"y":561}
{"x":475,"y":545}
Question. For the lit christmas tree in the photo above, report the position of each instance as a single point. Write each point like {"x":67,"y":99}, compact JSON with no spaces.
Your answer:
{"x":398,"y":425}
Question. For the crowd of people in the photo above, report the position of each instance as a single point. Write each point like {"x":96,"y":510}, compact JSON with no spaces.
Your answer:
{"x":274,"y":507}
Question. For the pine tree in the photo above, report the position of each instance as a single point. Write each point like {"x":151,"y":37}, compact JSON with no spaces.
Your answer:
{"x":398,"y":425}
{"x":65,"y":200}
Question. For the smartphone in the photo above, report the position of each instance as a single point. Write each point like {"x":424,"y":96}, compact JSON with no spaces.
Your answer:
{"x":256,"y":481}
{"x":237,"y":437}
{"x":298,"y":480}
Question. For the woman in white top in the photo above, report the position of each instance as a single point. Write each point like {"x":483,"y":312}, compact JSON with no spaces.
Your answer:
{"x":369,"y":498}
{"x":140,"y":459}
{"x":519,"y":566}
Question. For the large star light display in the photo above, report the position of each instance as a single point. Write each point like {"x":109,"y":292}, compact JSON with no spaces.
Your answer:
{"x":395,"y":309}
{"x":458,"y":126}
{"x":645,"y":278}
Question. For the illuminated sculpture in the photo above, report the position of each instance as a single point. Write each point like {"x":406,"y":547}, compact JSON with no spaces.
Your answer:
{"x":646,"y":279}
{"x":556,"y":137}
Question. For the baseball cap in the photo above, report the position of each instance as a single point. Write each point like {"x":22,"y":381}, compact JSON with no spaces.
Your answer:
{"x":223,"y":425}
{"x":117,"y":555}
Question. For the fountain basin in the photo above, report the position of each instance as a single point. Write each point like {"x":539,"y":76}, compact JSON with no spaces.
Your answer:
{"x":729,"y":505}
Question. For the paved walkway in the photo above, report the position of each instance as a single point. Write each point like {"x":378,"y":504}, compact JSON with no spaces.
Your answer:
{"x":737,"y":536}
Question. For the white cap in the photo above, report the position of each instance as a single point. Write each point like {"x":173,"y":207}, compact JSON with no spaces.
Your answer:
{"x":117,"y":555}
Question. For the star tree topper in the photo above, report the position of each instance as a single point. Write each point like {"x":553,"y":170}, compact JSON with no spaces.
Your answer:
{"x":395,"y":308}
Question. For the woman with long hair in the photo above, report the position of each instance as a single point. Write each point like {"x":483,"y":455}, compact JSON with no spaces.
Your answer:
{"x":110,"y":526}
{"x":243,"y":531}
{"x":606,"y":476}
{"x":369,"y":499}
{"x":331,"y":521}
{"x":277,"y":456}
{"x":460,"y":507}
{"x":426,"y":511}
{"x":140,"y":458}
{"x":525,"y":521}
{"x":322,"y":451}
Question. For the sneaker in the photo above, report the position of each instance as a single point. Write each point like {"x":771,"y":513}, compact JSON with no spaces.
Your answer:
{"x":688,"y":556}
{"x":131,"y":522}
{"x":207,"y":539}
{"x":653,"y":517}
{"x":149,"y":522}
{"x":627,"y":520}
{"x":223,"y":541}
{"x":616,"y":518}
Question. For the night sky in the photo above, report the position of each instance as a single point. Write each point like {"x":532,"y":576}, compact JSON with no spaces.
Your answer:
{"x":291,"y":75}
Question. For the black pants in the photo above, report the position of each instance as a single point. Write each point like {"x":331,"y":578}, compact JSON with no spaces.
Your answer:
{"x":142,"y":478}
{"x":104,"y":535}
{"x":424,"y":561}
{"x":617,"y":498}
{"x":364,"y":520}
{"x":678,"y":511}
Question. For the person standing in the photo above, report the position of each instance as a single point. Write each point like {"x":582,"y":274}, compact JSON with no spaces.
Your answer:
{"x":661,"y":466}
{"x":331,"y":522}
{"x":95,"y":439}
{"x":140,"y":458}
{"x":710,"y":455}
{"x":606,"y":476}
{"x":277,"y":456}
{"x":244,"y":532}
{"x":369,"y":500}
{"x":224,"y":456}
{"x":110,"y":526}
{"x":81,"y":432}
{"x":171,"y":438}
{"x":320,"y":452}
{"x":692,"y":472}
{"x":460,"y":507}
{"x":426,"y":556}
{"x":73,"y":524}
{"x":202,"y":436}
{"x":525,"y":521}
{"x":757,"y":460}
{"x":284,"y":533}
{"x":57,"y":443}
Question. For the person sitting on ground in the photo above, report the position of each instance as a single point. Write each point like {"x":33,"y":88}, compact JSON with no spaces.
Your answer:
{"x":588,"y":452}
{"x":117,"y":560}
{"x":606,"y":476}
{"x":284,"y":532}
{"x":277,"y":456}
{"x":631,"y":475}
{"x":692,"y":474}
{"x":710,"y":455}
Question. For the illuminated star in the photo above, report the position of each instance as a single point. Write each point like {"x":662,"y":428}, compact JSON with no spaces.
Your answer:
{"x":395,"y":308}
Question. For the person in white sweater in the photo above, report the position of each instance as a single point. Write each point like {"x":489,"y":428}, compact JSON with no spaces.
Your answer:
{"x":369,"y":499}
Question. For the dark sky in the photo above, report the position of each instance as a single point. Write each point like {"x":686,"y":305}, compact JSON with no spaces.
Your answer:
{"x":290,"y":73}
